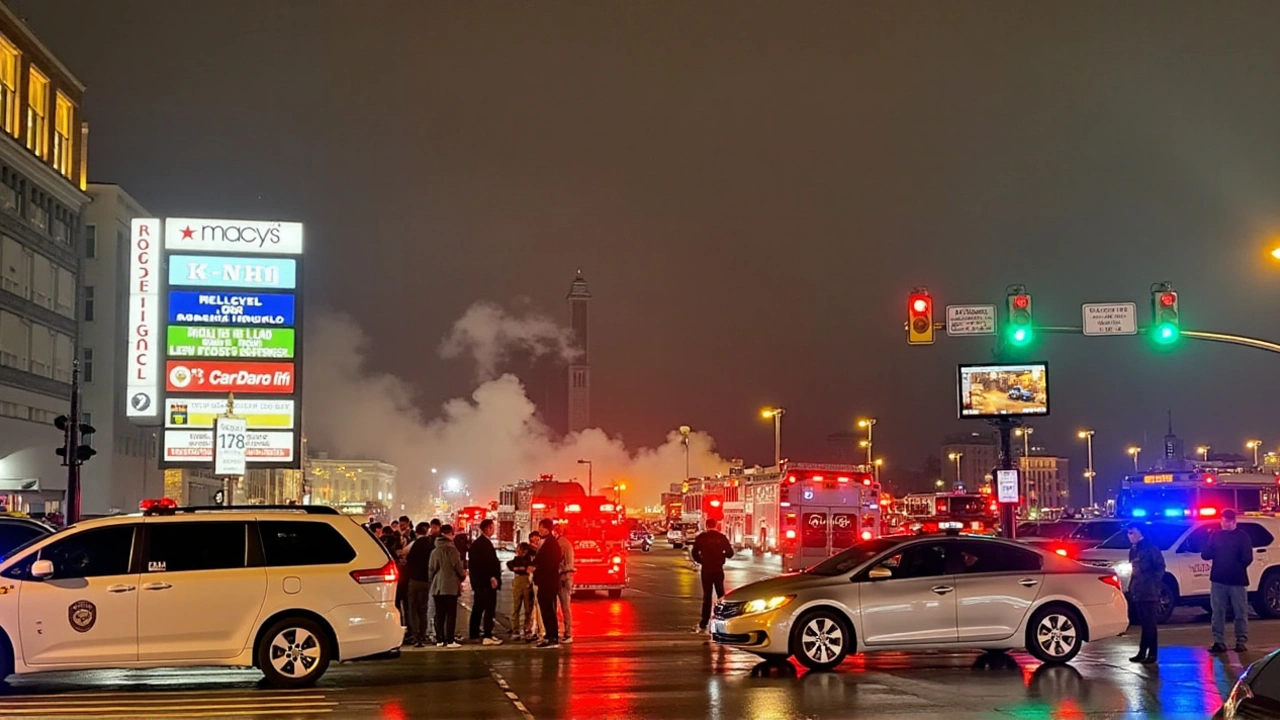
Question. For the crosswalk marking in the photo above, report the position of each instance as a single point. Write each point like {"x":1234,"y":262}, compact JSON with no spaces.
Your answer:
{"x":166,"y":705}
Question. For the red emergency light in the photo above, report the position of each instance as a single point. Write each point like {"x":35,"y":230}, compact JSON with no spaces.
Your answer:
{"x":866,"y":481}
{"x":573,"y":508}
{"x":866,"y":534}
{"x":715,"y":503}
{"x":791,"y":480}
{"x":164,"y":503}
{"x":816,"y":478}
{"x":842,"y":479}
{"x":539,"y":506}
{"x":1208,"y":512}
{"x":791,"y":534}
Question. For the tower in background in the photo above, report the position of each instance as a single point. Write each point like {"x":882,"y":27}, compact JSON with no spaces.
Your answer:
{"x":579,"y":376}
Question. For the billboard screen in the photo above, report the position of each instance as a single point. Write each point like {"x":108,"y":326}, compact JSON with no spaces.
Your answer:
{"x":235,"y":236}
{"x":233,"y":272}
{"x":196,"y":446}
{"x":231,"y":342}
{"x":199,"y":412}
{"x":228,"y":377}
{"x":230,"y":308}
{"x":1010,"y":390}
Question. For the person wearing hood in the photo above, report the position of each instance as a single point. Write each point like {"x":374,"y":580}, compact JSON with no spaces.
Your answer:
{"x":445,"y":574}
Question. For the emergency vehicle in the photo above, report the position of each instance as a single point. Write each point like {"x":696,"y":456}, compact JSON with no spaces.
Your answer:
{"x":595,"y":525}
{"x":1196,"y":493}
{"x":934,"y":512}
{"x":467,"y":520}
{"x":809,"y":511}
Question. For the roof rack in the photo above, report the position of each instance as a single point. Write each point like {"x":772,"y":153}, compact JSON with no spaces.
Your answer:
{"x":308,"y":509}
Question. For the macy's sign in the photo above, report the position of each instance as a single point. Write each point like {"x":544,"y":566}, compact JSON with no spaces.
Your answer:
{"x":241,"y":236}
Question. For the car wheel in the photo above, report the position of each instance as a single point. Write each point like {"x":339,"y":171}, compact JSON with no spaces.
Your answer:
{"x":1167,"y":602}
{"x":1267,"y":600}
{"x":1054,"y":635}
{"x":294,"y":653}
{"x":615,"y":594}
{"x":821,"y":640}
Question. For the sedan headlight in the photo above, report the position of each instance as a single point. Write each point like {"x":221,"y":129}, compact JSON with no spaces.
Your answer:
{"x":1124,"y":569}
{"x":763,"y":605}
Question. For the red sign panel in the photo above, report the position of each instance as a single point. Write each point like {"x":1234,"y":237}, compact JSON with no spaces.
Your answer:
{"x":225,"y":377}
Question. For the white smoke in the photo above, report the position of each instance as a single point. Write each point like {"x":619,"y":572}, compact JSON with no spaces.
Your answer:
{"x":489,"y":439}
{"x":488,"y":334}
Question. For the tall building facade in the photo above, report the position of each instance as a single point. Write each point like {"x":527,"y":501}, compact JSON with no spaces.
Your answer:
{"x":579,"y":375}
{"x":352,"y":485}
{"x":42,"y":179}
{"x":1044,"y":480}
{"x":977,"y":456}
{"x":126,"y":468}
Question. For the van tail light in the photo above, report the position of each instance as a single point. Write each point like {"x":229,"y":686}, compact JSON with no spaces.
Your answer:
{"x":1111,"y":580}
{"x":388,"y":573}
{"x":1061,"y":551}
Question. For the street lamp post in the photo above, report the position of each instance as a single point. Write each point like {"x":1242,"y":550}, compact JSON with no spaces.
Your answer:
{"x":590,"y":479}
{"x":869,"y":423}
{"x":684,"y":438}
{"x":1203,"y":452}
{"x":956,"y":457}
{"x":1087,"y":436}
{"x":878,"y":462}
{"x":776,"y":414}
{"x":1025,"y":433}
{"x":1135,"y":451}
{"x":1254,"y":445}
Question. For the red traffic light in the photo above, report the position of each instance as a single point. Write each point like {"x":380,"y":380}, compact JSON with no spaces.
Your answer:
{"x":1168,"y":299}
{"x":1021,"y":301}
{"x":919,"y":305}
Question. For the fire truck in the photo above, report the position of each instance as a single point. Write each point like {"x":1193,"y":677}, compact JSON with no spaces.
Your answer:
{"x":595,"y":525}
{"x":933,"y":512}
{"x":810,"y":511}
{"x":672,"y":507}
{"x":467,"y":520}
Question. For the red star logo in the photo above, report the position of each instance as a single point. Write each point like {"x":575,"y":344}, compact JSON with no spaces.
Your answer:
{"x":187,"y":233}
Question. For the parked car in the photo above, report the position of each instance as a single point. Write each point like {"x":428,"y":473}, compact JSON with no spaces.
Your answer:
{"x":1080,"y":535}
{"x":925,"y":593}
{"x":17,"y":532}
{"x":1256,"y":694}
{"x":1186,"y":579}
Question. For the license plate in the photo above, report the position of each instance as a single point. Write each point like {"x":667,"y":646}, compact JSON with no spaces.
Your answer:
{"x":717,"y":626}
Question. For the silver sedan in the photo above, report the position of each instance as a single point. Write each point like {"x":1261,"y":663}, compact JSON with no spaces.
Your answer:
{"x":925,"y":593}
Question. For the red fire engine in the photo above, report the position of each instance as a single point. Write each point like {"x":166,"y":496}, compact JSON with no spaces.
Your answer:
{"x":810,"y":511}
{"x":932,"y":512}
{"x":467,"y":520}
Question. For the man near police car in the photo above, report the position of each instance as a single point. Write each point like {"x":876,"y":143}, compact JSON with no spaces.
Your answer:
{"x":1230,"y":550}
{"x":710,"y":550}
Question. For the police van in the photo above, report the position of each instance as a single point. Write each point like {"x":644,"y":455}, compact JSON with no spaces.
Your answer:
{"x":1186,"y":580}
{"x":286,"y":589}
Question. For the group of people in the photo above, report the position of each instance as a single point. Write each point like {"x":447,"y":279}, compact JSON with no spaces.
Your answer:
{"x":1229,"y":549}
{"x":436,"y":561}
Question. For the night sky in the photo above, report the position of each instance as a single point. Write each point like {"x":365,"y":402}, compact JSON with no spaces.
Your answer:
{"x":751,"y":190}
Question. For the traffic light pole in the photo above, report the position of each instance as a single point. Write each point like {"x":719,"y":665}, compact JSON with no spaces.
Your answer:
{"x":1008,"y":511}
{"x":73,"y":442}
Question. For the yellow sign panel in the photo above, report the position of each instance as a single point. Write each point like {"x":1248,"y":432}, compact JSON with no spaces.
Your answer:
{"x":200,"y":412}
{"x":1157,"y":479}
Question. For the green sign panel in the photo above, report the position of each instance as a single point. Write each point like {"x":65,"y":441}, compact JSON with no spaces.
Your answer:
{"x":231,"y":342}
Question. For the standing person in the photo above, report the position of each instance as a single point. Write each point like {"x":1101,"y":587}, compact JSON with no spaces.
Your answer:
{"x":1231,"y":551}
{"x":486,"y":579}
{"x":446,"y":574}
{"x":710,"y":550}
{"x":1144,"y":588}
{"x":432,"y":534}
{"x":521,"y":592}
{"x":566,"y":580}
{"x":535,"y":542}
{"x":417,"y":570}
{"x":463,"y":541}
{"x":546,"y":575}
{"x":406,"y":528}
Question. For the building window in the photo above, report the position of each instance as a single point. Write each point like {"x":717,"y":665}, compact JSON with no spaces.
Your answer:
{"x":15,"y":268}
{"x":88,"y":303}
{"x":63,"y":112}
{"x":65,"y":292}
{"x":91,"y":241}
{"x":86,"y":364}
{"x":37,"y":113}
{"x":9,"y":64}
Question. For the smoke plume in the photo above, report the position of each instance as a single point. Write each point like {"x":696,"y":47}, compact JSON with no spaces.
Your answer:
{"x":490,"y":438}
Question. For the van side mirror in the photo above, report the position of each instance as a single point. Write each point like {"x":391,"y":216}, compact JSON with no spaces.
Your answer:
{"x":879,"y":572}
{"x":42,"y":569}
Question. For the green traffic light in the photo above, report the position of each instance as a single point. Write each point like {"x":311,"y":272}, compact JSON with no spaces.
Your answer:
{"x":1166,"y":333}
{"x":1021,"y":336}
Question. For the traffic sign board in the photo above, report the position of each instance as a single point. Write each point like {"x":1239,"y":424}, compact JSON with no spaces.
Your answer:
{"x":1110,"y":318}
{"x":971,"y":319}
{"x":1007,"y":486}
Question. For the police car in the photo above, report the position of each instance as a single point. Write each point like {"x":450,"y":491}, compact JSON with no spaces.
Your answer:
{"x":1186,"y":580}
{"x":284,"y":589}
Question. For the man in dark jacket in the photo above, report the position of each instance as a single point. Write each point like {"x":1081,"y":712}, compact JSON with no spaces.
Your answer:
{"x":1230,"y":550}
{"x":710,"y":550}
{"x":1144,"y":590}
{"x":546,"y":576}
{"x":416,"y":571}
{"x":486,"y":578}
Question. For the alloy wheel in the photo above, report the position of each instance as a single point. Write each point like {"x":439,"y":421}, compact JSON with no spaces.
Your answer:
{"x":822,"y":640}
{"x":295,"y":652}
{"x":1056,"y":635}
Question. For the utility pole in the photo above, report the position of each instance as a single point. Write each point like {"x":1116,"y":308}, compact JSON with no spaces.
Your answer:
{"x":74,"y":450}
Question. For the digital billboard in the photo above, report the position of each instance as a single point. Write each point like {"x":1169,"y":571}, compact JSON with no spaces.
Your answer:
{"x":228,"y":377}
{"x":233,"y":272}
{"x":142,"y":382}
{"x":261,"y":446}
{"x":230,"y":342}
{"x":200,"y":412}
{"x":256,"y":237}
{"x":230,"y":308}
{"x":1006,"y":390}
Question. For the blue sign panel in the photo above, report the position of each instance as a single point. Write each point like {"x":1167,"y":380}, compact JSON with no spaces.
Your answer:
{"x":230,"y":308}
{"x":233,"y":272}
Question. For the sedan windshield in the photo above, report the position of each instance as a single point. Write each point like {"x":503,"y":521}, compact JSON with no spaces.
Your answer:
{"x":857,"y":554}
{"x":1164,"y":535}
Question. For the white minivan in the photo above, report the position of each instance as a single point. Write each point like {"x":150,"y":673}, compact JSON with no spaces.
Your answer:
{"x":284,"y":589}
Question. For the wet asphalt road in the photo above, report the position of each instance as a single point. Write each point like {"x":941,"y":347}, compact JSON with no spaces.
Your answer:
{"x":636,"y":658}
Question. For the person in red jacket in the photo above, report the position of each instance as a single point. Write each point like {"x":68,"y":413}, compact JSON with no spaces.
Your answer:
{"x":710,"y":550}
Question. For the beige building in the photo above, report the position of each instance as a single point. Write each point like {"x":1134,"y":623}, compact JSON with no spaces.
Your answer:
{"x":351,"y":484}
{"x":1044,"y":481}
{"x":977,"y":457}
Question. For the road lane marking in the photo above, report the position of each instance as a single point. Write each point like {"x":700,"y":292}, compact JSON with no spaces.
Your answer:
{"x":511,"y":695}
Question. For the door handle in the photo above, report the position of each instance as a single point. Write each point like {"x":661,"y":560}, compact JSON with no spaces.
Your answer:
{"x":942,"y":589}
{"x":1028,"y":582}
{"x":157,"y":586}
{"x":121,"y":588}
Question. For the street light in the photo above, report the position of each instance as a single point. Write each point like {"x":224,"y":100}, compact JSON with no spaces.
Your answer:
{"x":1135,"y":451}
{"x":956,"y":457}
{"x":1254,"y":445}
{"x":1087,"y":436}
{"x":878,"y":463}
{"x":938,"y":483}
{"x":1025,"y":434}
{"x":617,"y":491}
{"x":868,"y":423}
{"x":776,"y":414}
{"x":684,"y":438}
{"x":590,"y":479}
{"x":1203,"y":451}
